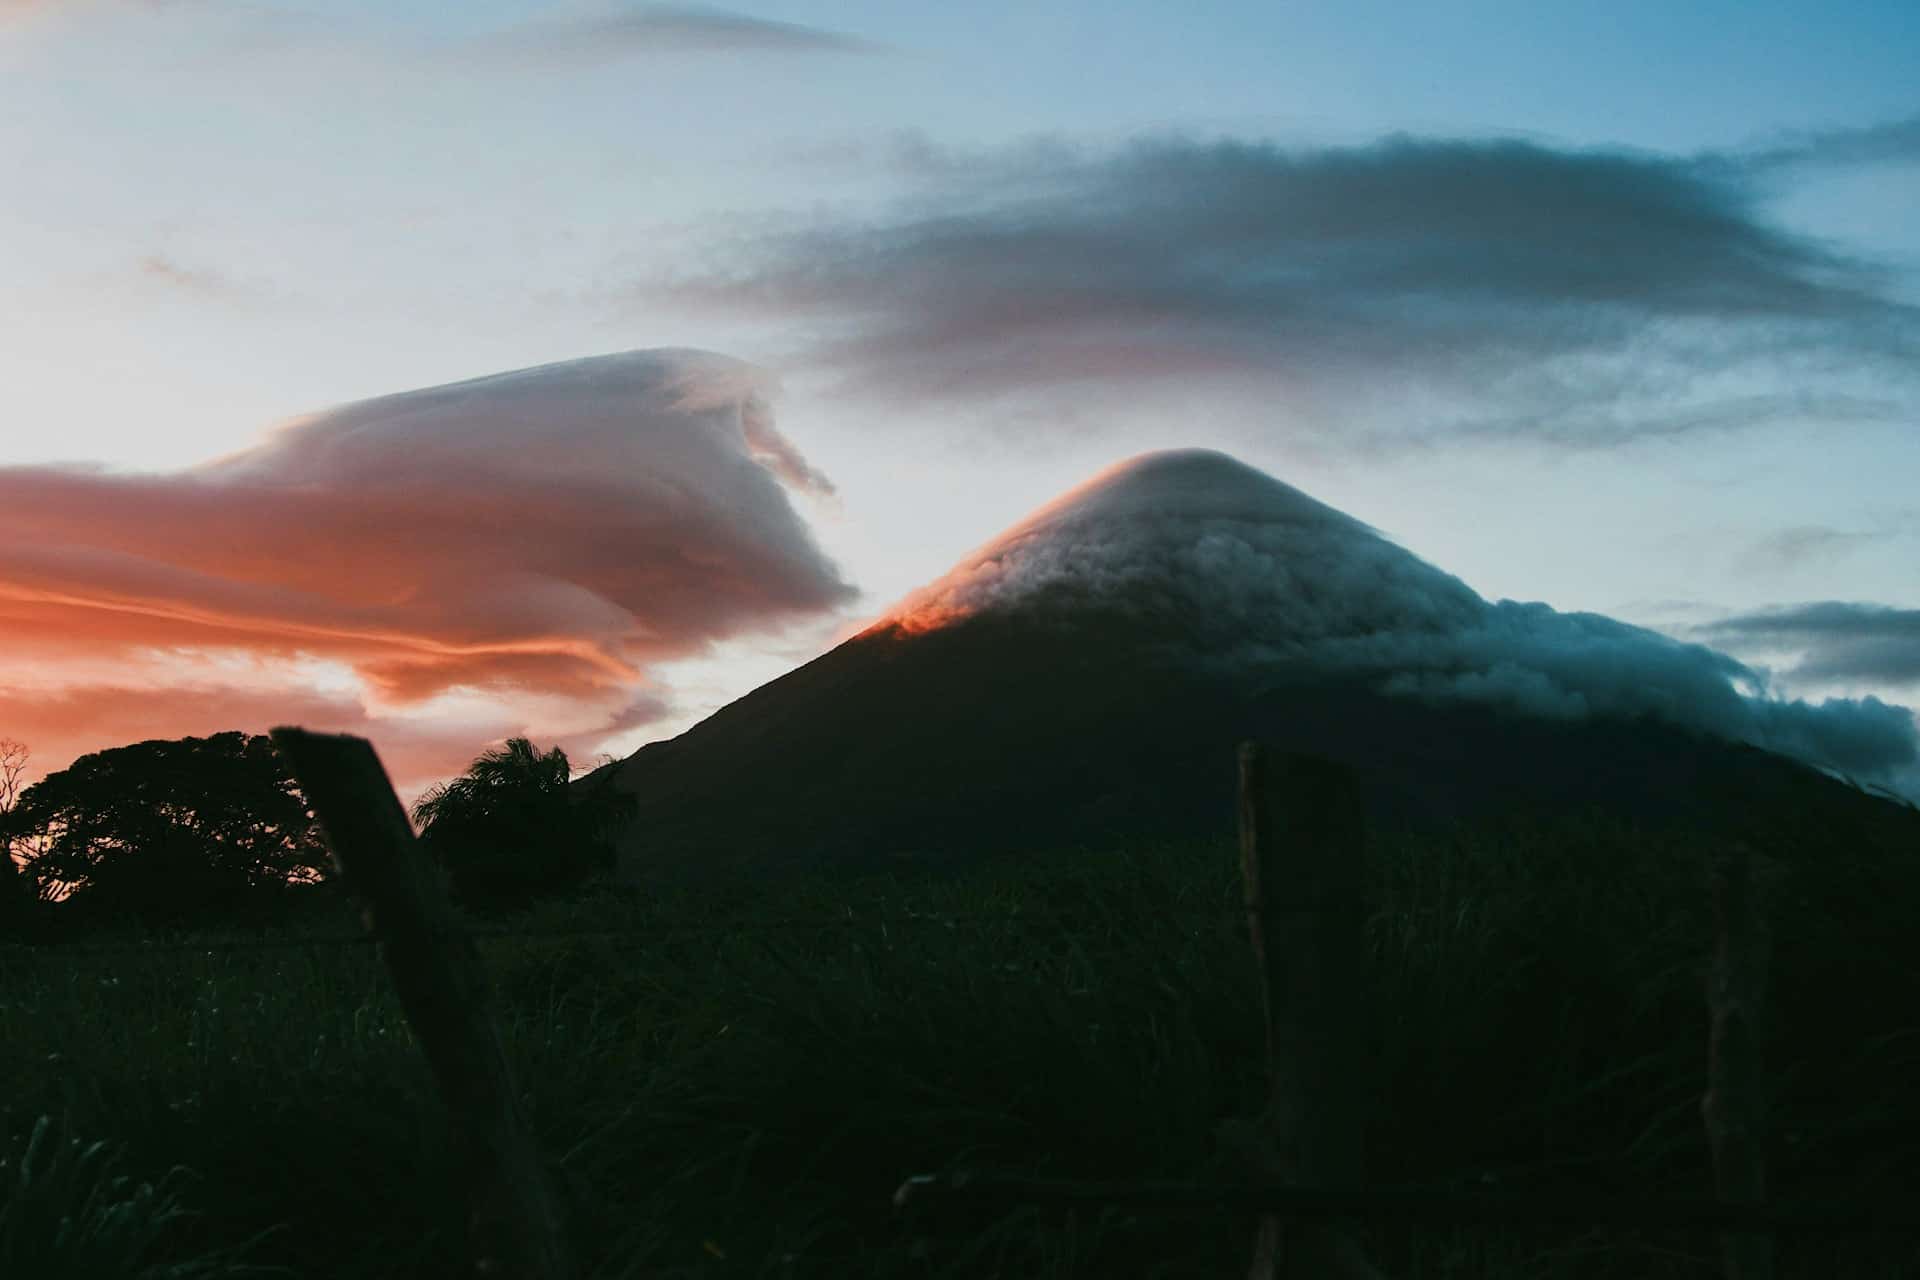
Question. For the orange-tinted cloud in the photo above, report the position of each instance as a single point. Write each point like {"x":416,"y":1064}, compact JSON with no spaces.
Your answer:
{"x":540,"y":537}
{"x":61,"y":725}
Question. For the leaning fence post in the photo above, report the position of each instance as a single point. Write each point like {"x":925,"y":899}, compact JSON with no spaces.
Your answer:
{"x":516,"y":1226}
{"x":1734,"y":1102}
{"x":1302,"y":832}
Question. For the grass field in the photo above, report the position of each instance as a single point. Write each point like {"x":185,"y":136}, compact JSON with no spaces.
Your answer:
{"x":737,"y":1084}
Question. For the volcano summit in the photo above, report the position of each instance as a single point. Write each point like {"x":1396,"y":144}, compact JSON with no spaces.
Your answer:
{"x":1085,"y":676}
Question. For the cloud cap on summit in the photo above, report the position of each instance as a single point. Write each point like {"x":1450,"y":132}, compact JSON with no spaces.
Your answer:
{"x":1246,"y":576}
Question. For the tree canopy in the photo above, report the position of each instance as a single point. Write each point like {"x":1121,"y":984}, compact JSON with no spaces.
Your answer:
{"x":510,"y":829}
{"x":167,"y":828}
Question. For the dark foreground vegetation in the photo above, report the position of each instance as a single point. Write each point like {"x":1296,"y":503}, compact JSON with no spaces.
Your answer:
{"x":202,"y":832}
{"x":736,"y":1084}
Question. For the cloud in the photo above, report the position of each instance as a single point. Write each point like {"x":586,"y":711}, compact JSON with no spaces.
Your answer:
{"x":1891,"y":142}
{"x":1229,"y":568}
{"x":655,"y":29}
{"x":1399,"y":290}
{"x":64,"y":725}
{"x":1834,"y":640}
{"x":166,"y":272}
{"x":1802,"y":546}
{"x":22,"y":10}
{"x":1571,"y":665}
{"x":531,"y":543}
{"x":65,"y":721}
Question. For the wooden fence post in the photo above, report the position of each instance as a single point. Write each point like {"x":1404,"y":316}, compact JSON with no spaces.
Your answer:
{"x":516,"y":1225}
{"x":1302,"y":832}
{"x":1734,"y":1102}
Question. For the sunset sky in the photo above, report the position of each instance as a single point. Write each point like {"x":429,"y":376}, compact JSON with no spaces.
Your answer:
{"x":760,"y":318}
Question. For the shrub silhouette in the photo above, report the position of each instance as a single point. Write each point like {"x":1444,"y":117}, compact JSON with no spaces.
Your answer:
{"x":168,"y":829}
{"x":509,"y":830}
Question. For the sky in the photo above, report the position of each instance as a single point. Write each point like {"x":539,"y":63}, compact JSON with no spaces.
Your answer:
{"x":443,"y":372}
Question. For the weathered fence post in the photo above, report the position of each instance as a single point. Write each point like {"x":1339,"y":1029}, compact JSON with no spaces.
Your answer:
{"x":1734,"y":1102}
{"x":1302,"y":831}
{"x":516,"y":1224}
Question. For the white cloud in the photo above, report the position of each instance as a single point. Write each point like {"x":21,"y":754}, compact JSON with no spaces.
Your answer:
{"x":1203,"y":556}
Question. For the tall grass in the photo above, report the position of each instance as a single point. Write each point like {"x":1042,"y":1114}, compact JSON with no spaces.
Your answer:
{"x":724,"y":1093}
{"x":66,"y":1210}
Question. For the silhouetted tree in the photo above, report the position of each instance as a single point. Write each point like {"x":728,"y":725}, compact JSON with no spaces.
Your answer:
{"x":509,"y":829}
{"x":16,"y":894}
{"x":167,"y":829}
{"x":13,"y":769}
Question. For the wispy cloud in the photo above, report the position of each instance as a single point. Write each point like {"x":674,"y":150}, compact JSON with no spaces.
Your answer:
{"x":1803,"y":546}
{"x":1891,"y":142}
{"x":169,"y":273}
{"x":66,"y":722}
{"x":1834,"y":640}
{"x":655,"y":29}
{"x":23,"y":9}
{"x":538,"y":540}
{"x":1400,"y":290}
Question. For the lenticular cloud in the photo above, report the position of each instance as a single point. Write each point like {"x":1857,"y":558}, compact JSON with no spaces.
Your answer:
{"x":1228,"y":568}
{"x":544,"y":535}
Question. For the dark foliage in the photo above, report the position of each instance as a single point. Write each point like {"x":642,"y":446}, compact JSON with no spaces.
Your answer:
{"x":193,"y":828}
{"x":16,"y":894}
{"x":510,"y":830}
{"x":710,"y":1079}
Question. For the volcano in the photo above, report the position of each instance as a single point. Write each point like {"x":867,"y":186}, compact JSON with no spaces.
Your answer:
{"x":1084,"y":678}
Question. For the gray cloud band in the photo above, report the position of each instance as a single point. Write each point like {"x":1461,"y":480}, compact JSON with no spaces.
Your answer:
{"x":1398,"y":290}
{"x":1893,"y":142}
{"x":1836,"y":640}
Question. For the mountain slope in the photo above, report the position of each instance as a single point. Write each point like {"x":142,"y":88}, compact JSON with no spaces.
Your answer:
{"x":1085,"y":677}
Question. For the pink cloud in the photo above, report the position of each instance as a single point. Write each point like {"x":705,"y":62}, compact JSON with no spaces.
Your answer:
{"x":539,"y":537}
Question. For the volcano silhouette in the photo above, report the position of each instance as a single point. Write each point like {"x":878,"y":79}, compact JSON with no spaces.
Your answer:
{"x":1084,"y":679}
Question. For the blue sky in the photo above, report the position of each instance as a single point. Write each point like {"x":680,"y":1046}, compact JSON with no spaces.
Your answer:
{"x":223,"y":216}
